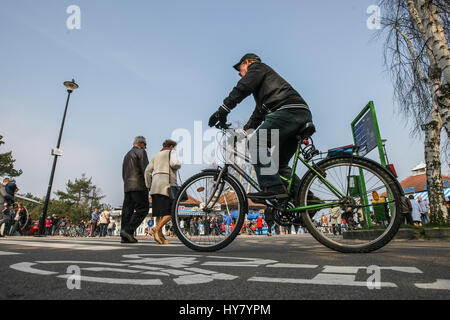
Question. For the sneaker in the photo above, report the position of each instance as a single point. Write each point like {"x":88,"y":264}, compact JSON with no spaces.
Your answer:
{"x":273,"y":192}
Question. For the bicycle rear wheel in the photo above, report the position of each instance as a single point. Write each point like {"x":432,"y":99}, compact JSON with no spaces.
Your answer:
{"x":359,"y":223}
{"x":199,"y":214}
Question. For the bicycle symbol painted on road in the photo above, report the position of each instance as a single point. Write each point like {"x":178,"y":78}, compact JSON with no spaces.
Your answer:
{"x":157,"y":269}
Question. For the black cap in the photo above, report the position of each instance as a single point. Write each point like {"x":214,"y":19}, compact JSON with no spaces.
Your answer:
{"x":248,"y":56}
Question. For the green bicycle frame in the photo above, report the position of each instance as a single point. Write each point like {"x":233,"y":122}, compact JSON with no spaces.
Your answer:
{"x":290,"y":180}
{"x":332,"y":188}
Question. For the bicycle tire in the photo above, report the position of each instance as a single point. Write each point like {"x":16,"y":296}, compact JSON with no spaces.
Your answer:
{"x":239,"y":221}
{"x":367,"y":164}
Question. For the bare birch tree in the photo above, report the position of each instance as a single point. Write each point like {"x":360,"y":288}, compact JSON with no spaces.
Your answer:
{"x":418,"y":56}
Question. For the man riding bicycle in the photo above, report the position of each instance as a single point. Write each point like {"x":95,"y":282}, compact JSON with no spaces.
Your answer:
{"x":280,"y":107}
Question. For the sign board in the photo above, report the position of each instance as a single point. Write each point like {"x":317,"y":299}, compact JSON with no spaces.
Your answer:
{"x":57,"y":152}
{"x":364,"y":132}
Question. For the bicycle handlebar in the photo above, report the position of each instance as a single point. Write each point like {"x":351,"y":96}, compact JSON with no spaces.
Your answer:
{"x":223,"y":125}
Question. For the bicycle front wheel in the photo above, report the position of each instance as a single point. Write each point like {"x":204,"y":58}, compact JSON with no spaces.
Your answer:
{"x":364,"y":212}
{"x":208,"y":214}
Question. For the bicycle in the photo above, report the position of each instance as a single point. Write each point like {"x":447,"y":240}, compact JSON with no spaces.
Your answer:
{"x":340,"y":180}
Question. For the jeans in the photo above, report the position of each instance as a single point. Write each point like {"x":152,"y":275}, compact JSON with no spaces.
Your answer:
{"x":288,"y":122}
{"x":135,"y":209}
{"x":425,"y":217}
{"x":93,"y":228}
{"x":103,"y":229}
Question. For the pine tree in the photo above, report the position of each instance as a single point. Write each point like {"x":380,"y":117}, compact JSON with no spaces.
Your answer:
{"x":7,"y":163}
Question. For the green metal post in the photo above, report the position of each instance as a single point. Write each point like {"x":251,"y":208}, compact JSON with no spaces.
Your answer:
{"x":365,"y":199}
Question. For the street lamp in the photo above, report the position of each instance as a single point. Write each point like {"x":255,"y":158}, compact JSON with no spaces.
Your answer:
{"x":71,"y":86}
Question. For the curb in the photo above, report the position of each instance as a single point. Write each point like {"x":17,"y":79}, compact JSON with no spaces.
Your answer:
{"x":404,"y":234}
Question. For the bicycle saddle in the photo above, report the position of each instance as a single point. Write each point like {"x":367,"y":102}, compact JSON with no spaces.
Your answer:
{"x":307,"y":131}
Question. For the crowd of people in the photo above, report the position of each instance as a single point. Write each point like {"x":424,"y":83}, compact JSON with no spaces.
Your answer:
{"x":158,"y":179}
{"x":14,"y":217}
{"x":100,"y":225}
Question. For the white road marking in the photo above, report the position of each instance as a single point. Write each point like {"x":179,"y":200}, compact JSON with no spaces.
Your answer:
{"x":354,"y":270}
{"x":137,"y":282}
{"x":27,"y":267}
{"x":47,"y":244}
{"x":84,"y":262}
{"x":292,"y":265}
{"x":337,"y":269}
{"x":156,"y":273}
{"x":440,"y":284}
{"x":102,"y":269}
{"x":323,"y":279}
{"x":98,"y":241}
{"x":202,"y":271}
{"x":403,"y":269}
{"x":243,"y":262}
{"x":202,"y":278}
{"x":145,"y":268}
{"x":4,"y":253}
{"x":182,"y":267}
{"x":172,"y":262}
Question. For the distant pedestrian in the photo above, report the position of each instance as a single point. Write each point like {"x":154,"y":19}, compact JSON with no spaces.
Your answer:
{"x":48,"y":226}
{"x":407,"y":209}
{"x":54,"y":224}
{"x":62,"y":225}
{"x":5,"y":196}
{"x":228,"y":224}
{"x":4,"y":218}
{"x":94,"y":221}
{"x":20,"y":219}
{"x":160,"y":175}
{"x":11,"y":189}
{"x":191,"y":227}
{"x":259,"y":225}
{"x":111,"y":228}
{"x":268,"y":216}
{"x":336,"y":220}
{"x":104,"y":221}
{"x":416,"y":216}
{"x":136,"y":201}
{"x":380,"y":209}
{"x":182,"y":225}
{"x":423,"y":210}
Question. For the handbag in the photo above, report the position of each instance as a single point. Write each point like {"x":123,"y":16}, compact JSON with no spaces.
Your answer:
{"x":175,"y":190}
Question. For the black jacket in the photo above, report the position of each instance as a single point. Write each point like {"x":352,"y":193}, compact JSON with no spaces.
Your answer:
{"x":133,"y":169}
{"x":269,"y":89}
{"x":4,"y":196}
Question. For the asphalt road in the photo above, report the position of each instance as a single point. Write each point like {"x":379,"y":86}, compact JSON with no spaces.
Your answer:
{"x":291,"y":267}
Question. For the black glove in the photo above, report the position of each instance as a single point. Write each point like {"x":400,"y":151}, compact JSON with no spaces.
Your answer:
{"x":220,"y":116}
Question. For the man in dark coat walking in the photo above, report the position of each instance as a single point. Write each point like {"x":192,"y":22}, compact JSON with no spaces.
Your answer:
{"x":136,"y":204}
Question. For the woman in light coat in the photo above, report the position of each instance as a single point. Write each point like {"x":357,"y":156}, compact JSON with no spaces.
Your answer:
{"x":416,"y":216}
{"x":160,"y":174}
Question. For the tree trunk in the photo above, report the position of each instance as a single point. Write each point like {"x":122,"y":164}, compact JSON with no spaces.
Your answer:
{"x":435,"y":36}
{"x":433,"y":129}
{"x":444,"y":108}
{"x":424,"y":14}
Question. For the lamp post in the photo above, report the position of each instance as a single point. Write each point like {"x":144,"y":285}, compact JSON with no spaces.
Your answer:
{"x":71,"y":86}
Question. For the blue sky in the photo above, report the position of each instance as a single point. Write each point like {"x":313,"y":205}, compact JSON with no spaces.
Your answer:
{"x":150,"y":67}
